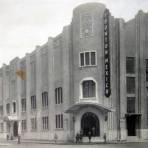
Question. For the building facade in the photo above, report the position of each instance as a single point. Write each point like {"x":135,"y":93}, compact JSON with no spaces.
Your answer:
{"x":91,"y":78}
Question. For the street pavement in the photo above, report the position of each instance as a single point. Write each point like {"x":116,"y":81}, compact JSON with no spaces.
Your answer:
{"x":34,"y":145}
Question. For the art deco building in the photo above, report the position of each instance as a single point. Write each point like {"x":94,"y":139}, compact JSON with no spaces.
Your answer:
{"x":93,"y":77}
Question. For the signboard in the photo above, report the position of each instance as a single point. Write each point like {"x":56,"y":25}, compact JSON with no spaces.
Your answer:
{"x":107,"y":54}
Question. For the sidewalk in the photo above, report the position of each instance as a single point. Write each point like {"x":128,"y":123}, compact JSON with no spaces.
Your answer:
{"x":15,"y":141}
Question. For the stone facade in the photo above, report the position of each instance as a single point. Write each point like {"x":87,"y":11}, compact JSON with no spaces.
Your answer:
{"x":80,"y":75}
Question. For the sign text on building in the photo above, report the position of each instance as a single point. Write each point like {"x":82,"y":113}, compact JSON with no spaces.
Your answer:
{"x":107,"y":54}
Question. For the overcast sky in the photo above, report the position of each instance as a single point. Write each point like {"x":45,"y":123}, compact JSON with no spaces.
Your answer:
{"x":27,"y":23}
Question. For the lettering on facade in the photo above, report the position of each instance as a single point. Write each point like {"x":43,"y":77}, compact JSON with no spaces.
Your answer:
{"x":107,"y":54}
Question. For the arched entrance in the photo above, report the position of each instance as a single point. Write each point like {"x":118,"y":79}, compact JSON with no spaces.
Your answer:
{"x":15,"y":129}
{"x":90,"y":123}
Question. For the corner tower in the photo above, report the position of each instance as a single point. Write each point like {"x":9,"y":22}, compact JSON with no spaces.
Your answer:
{"x":92,"y":41}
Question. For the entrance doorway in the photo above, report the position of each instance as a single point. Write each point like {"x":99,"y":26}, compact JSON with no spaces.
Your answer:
{"x":131,"y":125}
{"x":15,"y":129}
{"x":90,"y":123}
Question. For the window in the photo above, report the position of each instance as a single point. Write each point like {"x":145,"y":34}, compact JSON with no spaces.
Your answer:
{"x":130,"y":85}
{"x":14,"y":107}
{"x":1,"y":127}
{"x":130,"y":104}
{"x":33,"y":102}
{"x":1,"y":110}
{"x":147,"y":90}
{"x":59,"y":121}
{"x":88,"y":59}
{"x":58,"y":95}
{"x":24,"y":125}
{"x":146,"y":70}
{"x":45,"y":123}
{"x":8,"y":108}
{"x":147,"y":109}
{"x":45,"y":99}
{"x":88,"y":89}
{"x":82,"y":59}
{"x":8,"y":127}
{"x":33,"y":124}
{"x":130,"y":65}
{"x":23,"y":104}
{"x":33,"y":73}
{"x":93,"y":58}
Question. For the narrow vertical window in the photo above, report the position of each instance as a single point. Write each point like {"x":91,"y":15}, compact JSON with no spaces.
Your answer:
{"x":8,"y":108}
{"x":45,"y":99}
{"x":33,"y":124}
{"x":45,"y":123}
{"x":59,"y":120}
{"x":1,"y":127}
{"x":14,"y":107}
{"x":130,"y":104}
{"x":1,"y":110}
{"x":24,"y":125}
{"x":23,"y":104}
{"x":56,"y":121}
{"x":33,"y":102}
{"x":130,"y":85}
{"x":81,"y":59}
{"x":130,"y":65}
{"x":58,"y":95}
{"x":93,"y":58}
{"x":146,"y":70}
{"x":87,"y":58}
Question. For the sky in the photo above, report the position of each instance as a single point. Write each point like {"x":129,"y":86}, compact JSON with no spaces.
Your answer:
{"x":27,"y":23}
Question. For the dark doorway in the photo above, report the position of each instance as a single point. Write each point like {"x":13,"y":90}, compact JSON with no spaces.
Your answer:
{"x":90,"y":123}
{"x":131,"y":125}
{"x":15,"y":129}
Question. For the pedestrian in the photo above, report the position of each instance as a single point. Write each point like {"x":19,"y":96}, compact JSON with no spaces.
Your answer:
{"x":81,"y":135}
{"x":55,"y":138}
{"x":93,"y":130}
{"x":77,"y":137}
{"x":11,"y":137}
{"x":7,"y":137}
{"x":19,"y":139}
{"x":104,"y":137}
{"x":89,"y":136}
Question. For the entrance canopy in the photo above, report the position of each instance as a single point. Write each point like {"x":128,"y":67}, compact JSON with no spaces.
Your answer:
{"x":78,"y":106}
{"x":10,"y":118}
{"x":133,"y":114}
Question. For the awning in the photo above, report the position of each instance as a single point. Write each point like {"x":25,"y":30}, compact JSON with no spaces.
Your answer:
{"x":76,"y":107}
{"x":133,"y":114}
{"x":10,"y":118}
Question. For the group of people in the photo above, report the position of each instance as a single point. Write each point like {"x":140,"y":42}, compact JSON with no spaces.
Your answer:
{"x":79,"y":136}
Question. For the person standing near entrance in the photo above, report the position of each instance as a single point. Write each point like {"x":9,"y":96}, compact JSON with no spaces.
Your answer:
{"x":19,"y":139}
{"x":93,"y":131}
{"x":104,"y":137}
{"x":89,"y":136}
{"x":81,"y":135}
{"x":19,"y":132}
{"x":77,"y":137}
